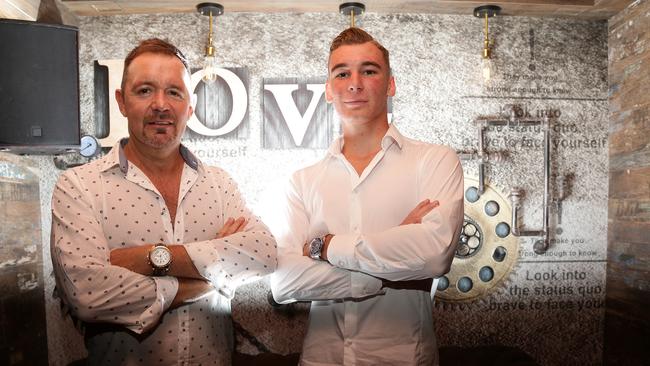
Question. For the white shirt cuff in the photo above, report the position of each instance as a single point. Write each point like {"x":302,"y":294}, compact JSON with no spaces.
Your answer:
{"x":205,"y":258}
{"x":340,"y":252}
{"x":166,"y":289}
{"x":207,"y":261}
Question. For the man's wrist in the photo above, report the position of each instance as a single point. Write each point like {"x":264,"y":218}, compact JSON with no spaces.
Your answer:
{"x":160,"y":258}
{"x":317,"y":247}
{"x":326,"y":243}
{"x":134,"y":259}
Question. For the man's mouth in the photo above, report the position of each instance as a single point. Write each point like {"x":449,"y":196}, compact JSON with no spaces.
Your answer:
{"x":355,"y":103}
{"x":162,"y":125}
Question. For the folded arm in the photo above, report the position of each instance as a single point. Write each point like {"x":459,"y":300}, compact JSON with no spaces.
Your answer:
{"x":101,"y":285}
{"x":416,"y":251}
{"x":414,"y":217}
{"x":242,"y":251}
{"x":93,"y":288}
{"x":299,"y":278}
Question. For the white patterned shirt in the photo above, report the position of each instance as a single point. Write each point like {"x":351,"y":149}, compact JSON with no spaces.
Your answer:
{"x":353,"y":321}
{"x":110,"y":203}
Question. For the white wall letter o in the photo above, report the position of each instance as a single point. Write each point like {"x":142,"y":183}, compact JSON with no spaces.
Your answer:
{"x":239,"y":104}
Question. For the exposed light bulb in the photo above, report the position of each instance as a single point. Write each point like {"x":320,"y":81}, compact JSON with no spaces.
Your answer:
{"x":487,"y":65}
{"x":209,"y":69}
{"x":487,"y":69}
{"x":209,"y":61}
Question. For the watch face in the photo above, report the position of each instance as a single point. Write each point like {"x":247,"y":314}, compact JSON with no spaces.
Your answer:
{"x":316,"y":248}
{"x":160,"y":257}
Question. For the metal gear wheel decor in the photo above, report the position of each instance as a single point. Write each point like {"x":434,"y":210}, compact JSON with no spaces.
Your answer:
{"x":487,"y":251}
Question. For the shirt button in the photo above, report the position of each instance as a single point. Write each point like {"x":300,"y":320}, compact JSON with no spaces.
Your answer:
{"x":348,"y":342}
{"x":341,"y":263}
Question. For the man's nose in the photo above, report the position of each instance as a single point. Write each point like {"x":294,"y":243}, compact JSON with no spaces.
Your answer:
{"x":354,"y":83}
{"x":159,"y":101}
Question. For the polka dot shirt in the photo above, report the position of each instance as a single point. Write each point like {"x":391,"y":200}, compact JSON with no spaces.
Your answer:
{"x":110,"y":204}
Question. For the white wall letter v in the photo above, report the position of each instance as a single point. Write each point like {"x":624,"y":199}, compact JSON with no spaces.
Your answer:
{"x":297,"y":124}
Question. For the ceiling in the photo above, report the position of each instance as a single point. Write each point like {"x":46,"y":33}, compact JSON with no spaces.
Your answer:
{"x":70,"y":10}
{"x":584,"y":9}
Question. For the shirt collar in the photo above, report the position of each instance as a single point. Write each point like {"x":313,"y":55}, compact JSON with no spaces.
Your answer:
{"x":117,"y":157}
{"x":392,"y":136}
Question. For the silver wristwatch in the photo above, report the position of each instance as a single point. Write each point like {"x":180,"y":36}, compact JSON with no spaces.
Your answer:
{"x":316,"y":248}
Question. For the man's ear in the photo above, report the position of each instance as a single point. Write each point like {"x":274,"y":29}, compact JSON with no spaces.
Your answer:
{"x":328,"y":92}
{"x":190,"y":111}
{"x":391,"y":87}
{"x":119,"y":97}
{"x":193,"y":100}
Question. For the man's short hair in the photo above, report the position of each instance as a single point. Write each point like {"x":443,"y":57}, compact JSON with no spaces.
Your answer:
{"x":354,"y":35}
{"x":153,"y":45}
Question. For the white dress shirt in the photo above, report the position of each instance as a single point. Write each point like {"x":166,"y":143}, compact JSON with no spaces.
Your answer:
{"x":353,"y":321}
{"x":110,"y":204}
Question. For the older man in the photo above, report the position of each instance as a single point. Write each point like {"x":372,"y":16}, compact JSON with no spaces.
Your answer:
{"x":148,"y":243}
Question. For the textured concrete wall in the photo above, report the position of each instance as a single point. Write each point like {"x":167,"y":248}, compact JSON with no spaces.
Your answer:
{"x":22,"y":306}
{"x":627,"y":326}
{"x":548,"y":306}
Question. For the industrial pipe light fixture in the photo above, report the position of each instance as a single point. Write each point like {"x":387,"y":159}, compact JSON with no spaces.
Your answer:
{"x":352,"y":9}
{"x":209,"y":62}
{"x":485,"y":12}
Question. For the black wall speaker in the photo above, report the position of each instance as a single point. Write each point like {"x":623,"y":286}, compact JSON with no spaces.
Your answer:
{"x":39,"y":87}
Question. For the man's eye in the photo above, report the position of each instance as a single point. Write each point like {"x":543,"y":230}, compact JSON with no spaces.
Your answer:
{"x":370,"y":72}
{"x":175,"y":93}
{"x":342,"y":75}
{"x":143,"y":91}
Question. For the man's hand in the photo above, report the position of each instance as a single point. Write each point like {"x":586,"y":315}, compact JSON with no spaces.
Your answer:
{"x":232,"y":226}
{"x":421,"y":210}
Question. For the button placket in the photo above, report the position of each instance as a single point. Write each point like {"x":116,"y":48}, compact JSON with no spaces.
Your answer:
{"x":184,"y":337}
{"x":166,"y":219}
{"x":355,"y":212}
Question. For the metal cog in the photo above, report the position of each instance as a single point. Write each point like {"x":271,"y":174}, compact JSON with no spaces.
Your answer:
{"x":502,"y":288}
{"x":487,"y":251}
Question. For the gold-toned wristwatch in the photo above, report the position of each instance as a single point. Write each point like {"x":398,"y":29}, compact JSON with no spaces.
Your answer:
{"x":160,"y":259}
